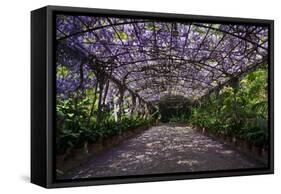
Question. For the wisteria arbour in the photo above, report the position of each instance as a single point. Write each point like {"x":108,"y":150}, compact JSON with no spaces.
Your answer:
{"x":153,"y":59}
{"x":114,"y":74}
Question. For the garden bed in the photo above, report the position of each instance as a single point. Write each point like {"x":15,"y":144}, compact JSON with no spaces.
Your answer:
{"x":75,"y":157}
{"x":248,"y":148}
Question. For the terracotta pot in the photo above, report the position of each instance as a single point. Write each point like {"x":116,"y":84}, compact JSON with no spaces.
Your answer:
{"x":98,"y":147}
{"x":91,"y":147}
{"x":116,"y":140}
{"x":112,"y":141}
{"x":234,"y":141}
{"x":229,"y":139}
{"x":105,"y":143}
{"x":222,"y":136}
{"x":77,"y":153}
{"x":60,"y":160}
{"x":108,"y":143}
{"x":264,"y":152}
{"x":219,"y":135}
{"x":257,"y":151}
{"x":128,"y":134}
{"x":239,"y":143}
{"x":250,"y":146}
{"x":247,"y":145}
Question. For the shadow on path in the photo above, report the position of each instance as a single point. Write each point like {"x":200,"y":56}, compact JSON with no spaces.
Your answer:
{"x":164,"y":149}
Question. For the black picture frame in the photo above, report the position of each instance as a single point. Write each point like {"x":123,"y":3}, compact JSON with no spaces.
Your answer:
{"x":43,"y":97}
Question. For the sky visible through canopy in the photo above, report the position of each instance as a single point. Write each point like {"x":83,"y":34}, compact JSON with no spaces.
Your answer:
{"x":152,"y":58}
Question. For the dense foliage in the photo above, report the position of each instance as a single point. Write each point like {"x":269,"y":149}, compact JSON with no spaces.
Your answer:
{"x":241,"y":112}
{"x":76,"y":128}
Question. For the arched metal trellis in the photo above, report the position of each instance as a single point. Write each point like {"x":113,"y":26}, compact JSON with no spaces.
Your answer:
{"x":148,"y":59}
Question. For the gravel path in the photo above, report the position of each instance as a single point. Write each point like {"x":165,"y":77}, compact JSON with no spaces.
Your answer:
{"x":164,"y":149}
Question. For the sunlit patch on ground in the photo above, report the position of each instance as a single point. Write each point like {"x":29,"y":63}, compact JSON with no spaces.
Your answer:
{"x":188,"y":162}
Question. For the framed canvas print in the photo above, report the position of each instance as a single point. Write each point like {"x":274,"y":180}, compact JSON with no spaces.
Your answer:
{"x":125,"y":96}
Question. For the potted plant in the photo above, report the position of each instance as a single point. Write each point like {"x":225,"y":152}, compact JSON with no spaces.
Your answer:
{"x":95,"y":142}
{"x":92,"y":140}
{"x":80,"y":147}
{"x":64,"y":143}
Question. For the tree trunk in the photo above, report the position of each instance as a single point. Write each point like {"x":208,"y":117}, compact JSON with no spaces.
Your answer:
{"x":105,"y":92}
{"x":93,"y":105}
{"x":99,"y":112}
{"x":120,"y":103}
{"x":133,"y":105}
